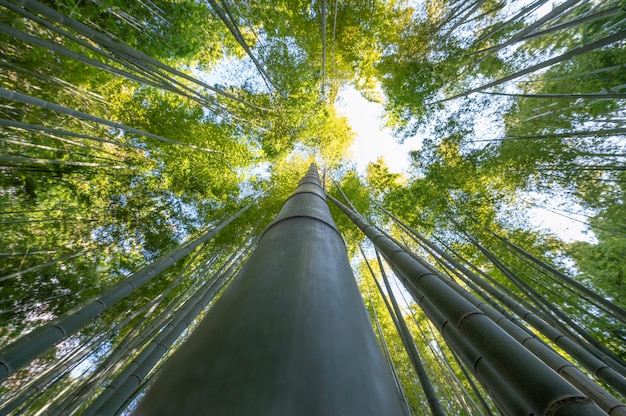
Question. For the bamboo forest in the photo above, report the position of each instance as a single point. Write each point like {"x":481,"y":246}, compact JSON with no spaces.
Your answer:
{"x":186,"y":228}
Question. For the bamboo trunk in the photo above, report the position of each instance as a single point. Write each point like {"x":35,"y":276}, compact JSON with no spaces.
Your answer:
{"x":290,"y":336}
{"x":517,"y":380}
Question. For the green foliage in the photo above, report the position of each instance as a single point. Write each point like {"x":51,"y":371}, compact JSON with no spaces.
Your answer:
{"x":84,"y":205}
{"x":601,"y":263}
{"x":171,"y":30}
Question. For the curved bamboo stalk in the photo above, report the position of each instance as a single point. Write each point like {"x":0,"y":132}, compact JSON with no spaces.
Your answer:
{"x":531,"y":275}
{"x":62,"y":50}
{"x":587,"y":96}
{"x":515,"y":38}
{"x":464,"y":18}
{"x":150,"y":77}
{"x":591,"y":133}
{"x":527,"y":9}
{"x":574,"y":22}
{"x":61,"y":367}
{"x":584,"y":74}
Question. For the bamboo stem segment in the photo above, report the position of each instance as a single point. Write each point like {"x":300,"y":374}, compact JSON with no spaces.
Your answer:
{"x":289,"y":336}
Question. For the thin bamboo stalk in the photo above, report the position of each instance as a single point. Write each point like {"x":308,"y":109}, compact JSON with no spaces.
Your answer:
{"x":385,"y":347}
{"x":556,"y":11}
{"x":120,"y":389}
{"x":574,"y":22}
{"x":41,"y":266}
{"x":409,"y":345}
{"x":19,"y":160}
{"x":608,"y":40}
{"x":36,"y":127}
{"x":618,"y":312}
{"x":116,"y":47}
{"x":25,"y":349}
{"x":26,"y":99}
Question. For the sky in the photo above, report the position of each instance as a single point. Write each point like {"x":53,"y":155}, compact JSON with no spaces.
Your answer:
{"x":372,"y":138}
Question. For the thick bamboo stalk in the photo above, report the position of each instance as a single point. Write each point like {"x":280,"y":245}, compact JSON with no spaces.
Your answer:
{"x":61,"y":368}
{"x":138,"y":336}
{"x":616,"y":371}
{"x":27,"y":348}
{"x":497,"y":357}
{"x":571,"y":373}
{"x":289,"y":336}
